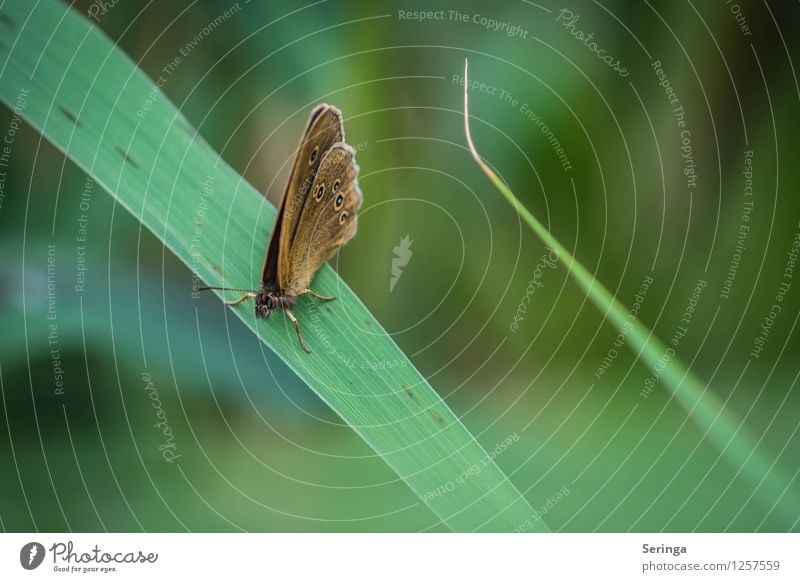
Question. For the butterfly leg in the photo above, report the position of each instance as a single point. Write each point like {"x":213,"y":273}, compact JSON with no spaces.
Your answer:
{"x":297,"y":329}
{"x":317,"y":295}
{"x":247,"y":295}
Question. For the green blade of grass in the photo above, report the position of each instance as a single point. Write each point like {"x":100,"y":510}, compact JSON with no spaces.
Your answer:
{"x":83,"y":94}
{"x":720,"y":425}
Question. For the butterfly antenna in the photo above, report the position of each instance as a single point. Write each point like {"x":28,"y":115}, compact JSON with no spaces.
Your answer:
{"x":225,"y":289}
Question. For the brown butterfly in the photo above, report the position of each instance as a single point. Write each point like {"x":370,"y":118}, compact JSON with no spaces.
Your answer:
{"x":317,"y":215}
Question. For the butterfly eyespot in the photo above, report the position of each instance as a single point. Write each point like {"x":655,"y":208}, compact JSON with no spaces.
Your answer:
{"x":320,"y":191}
{"x":336,"y":185}
{"x":313,"y":157}
{"x":342,"y":218}
{"x":338,"y":203}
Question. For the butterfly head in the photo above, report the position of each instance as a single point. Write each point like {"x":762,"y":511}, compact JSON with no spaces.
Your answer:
{"x":268,"y":300}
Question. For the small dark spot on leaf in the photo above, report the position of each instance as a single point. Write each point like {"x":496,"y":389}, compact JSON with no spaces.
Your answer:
{"x":328,"y":309}
{"x":367,"y":322}
{"x":69,"y":115}
{"x":127,"y":158}
{"x":413,"y":396}
{"x":6,"y":19}
{"x":216,"y":268}
{"x":438,"y":417}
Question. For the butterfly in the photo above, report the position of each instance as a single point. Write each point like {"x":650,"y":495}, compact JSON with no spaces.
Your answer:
{"x":317,"y":215}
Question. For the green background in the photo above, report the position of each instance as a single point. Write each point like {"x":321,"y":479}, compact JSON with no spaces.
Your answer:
{"x":258,"y":450}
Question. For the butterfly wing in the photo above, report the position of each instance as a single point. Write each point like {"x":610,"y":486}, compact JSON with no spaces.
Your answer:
{"x":328,"y":218}
{"x":324,"y":129}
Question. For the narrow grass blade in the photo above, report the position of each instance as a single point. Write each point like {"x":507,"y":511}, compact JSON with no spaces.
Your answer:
{"x":90,"y":100}
{"x":723,"y":428}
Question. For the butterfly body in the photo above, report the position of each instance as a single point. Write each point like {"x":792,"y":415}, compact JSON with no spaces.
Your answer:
{"x":317,"y":215}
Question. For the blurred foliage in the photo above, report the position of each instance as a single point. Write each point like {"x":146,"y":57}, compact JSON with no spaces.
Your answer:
{"x":260,"y":451}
